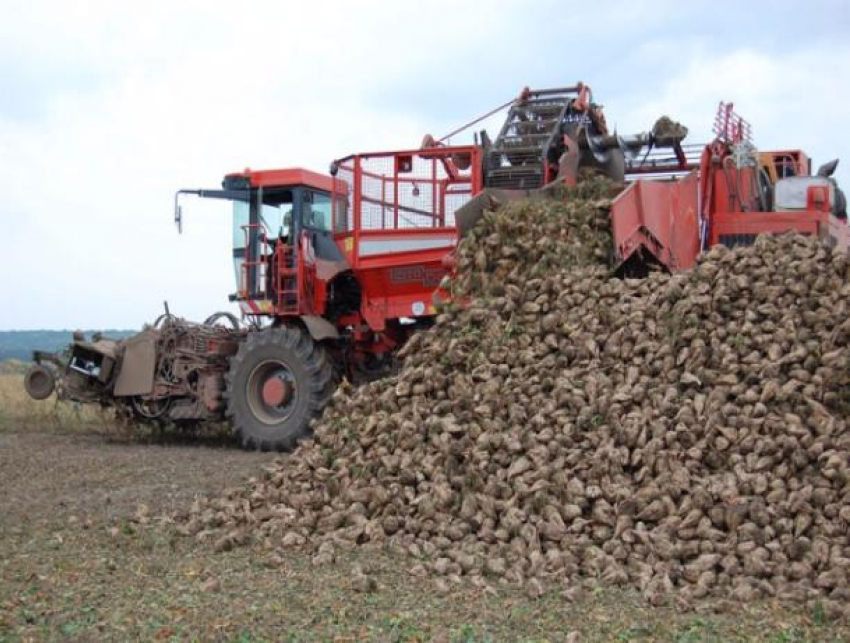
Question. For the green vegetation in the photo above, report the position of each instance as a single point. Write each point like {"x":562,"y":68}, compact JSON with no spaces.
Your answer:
{"x":13,"y":367}
{"x":18,"y":411}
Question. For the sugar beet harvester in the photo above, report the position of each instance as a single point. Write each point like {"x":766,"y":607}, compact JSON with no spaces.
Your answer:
{"x":334,"y":272}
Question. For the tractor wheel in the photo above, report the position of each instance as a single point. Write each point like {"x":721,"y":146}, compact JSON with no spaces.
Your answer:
{"x":39,"y":382}
{"x":278,"y":381}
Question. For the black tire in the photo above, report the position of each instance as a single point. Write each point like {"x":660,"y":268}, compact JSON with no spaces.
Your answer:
{"x":287,"y":354}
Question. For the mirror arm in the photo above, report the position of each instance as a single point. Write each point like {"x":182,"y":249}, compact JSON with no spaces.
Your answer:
{"x":232,"y":195}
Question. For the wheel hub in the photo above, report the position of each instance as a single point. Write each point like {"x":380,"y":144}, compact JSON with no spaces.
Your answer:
{"x":271,"y":391}
{"x":277,"y":391}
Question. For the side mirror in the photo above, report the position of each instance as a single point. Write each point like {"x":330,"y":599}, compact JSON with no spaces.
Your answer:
{"x":828,"y":169}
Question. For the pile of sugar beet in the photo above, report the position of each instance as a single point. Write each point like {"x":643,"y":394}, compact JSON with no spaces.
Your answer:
{"x":685,"y":435}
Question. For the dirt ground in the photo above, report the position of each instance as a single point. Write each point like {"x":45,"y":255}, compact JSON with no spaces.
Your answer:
{"x":89,"y":554}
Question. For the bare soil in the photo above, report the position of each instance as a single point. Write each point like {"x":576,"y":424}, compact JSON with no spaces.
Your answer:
{"x":89,"y":553}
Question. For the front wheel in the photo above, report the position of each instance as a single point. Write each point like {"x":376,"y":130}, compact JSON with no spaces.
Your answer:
{"x":278,"y":382}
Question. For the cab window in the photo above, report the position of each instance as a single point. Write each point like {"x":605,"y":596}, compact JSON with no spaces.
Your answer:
{"x":276,"y":213}
{"x":317,"y":211}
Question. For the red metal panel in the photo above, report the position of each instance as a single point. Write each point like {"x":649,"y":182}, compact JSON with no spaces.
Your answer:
{"x":289,"y":177}
{"x":409,"y":257}
{"x":399,"y":289}
{"x":659,"y":218}
{"x":725,"y":224}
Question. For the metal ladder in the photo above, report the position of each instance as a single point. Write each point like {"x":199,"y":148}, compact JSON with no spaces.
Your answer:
{"x":288,"y":283}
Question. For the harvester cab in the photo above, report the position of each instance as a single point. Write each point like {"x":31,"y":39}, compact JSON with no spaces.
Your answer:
{"x":277,"y":216}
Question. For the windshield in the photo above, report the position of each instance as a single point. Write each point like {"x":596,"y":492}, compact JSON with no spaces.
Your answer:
{"x":275,"y":217}
{"x":241,"y":217}
{"x":276,"y":213}
{"x":268,"y":217}
{"x":271,"y":219}
{"x":277,"y":220}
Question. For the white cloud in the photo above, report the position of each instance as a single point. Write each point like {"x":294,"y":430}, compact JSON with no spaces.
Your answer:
{"x":90,"y":184}
{"x":793,"y":99}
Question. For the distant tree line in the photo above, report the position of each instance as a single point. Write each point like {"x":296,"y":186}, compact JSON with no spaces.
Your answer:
{"x":19,"y":344}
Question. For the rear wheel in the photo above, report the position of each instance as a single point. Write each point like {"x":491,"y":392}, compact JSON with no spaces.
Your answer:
{"x":278,"y":381}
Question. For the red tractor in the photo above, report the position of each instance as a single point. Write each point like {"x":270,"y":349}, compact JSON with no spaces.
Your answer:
{"x":335,"y":272}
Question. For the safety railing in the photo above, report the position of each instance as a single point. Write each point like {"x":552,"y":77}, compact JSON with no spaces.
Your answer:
{"x":665,"y":162}
{"x":403,"y":192}
{"x":729,"y":126}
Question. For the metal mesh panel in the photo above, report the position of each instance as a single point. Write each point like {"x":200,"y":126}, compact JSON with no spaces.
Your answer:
{"x":342,"y":201}
{"x":411,"y":191}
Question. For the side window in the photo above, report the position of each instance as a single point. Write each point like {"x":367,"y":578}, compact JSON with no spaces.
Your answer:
{"x":277,"y":220}
{"x":276,"y":213}
{"x":318,"y":213}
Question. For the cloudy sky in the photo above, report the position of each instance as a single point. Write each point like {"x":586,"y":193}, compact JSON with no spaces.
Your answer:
{"x":108,"y":107}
